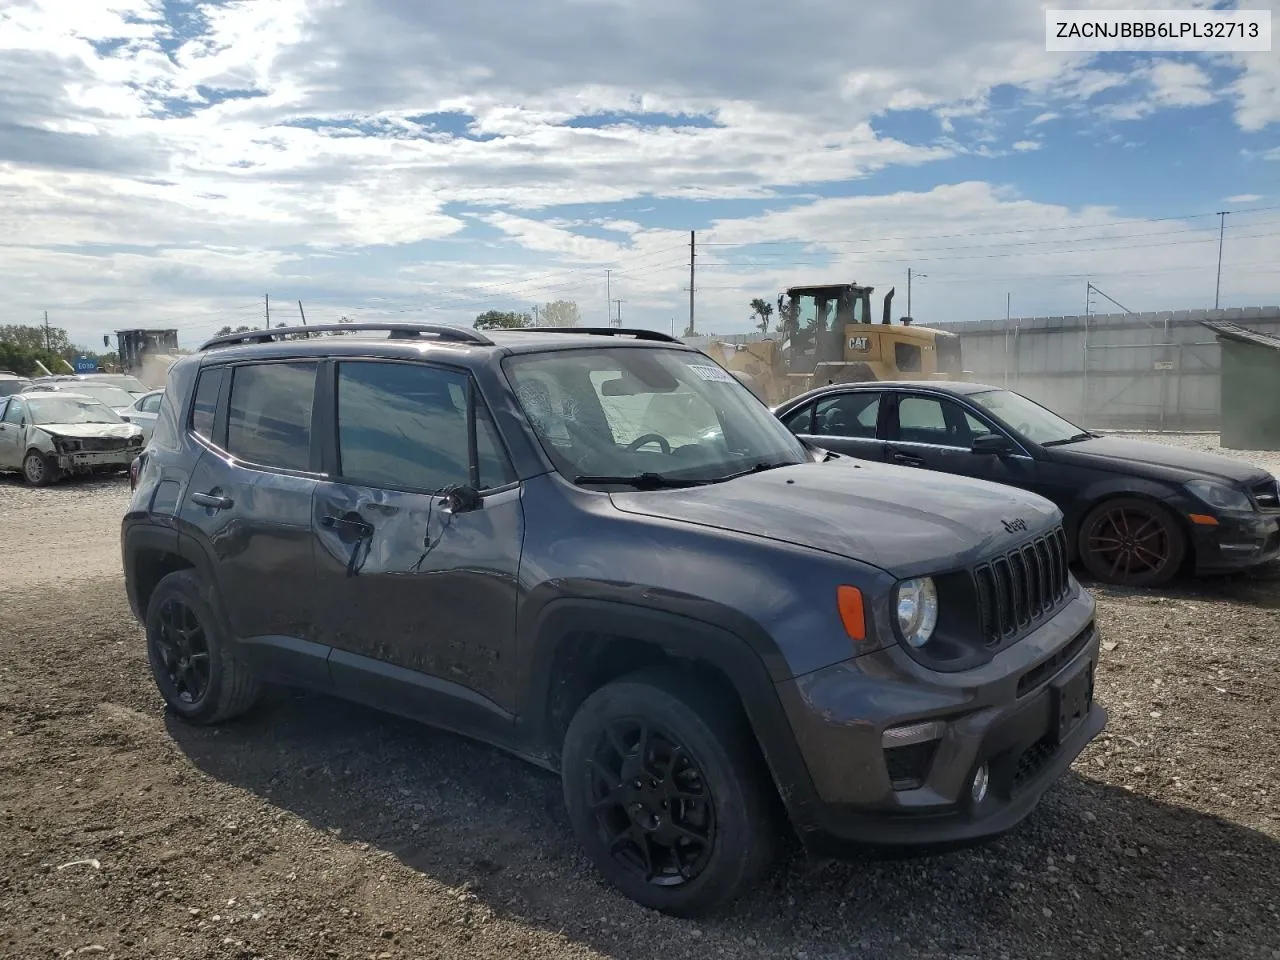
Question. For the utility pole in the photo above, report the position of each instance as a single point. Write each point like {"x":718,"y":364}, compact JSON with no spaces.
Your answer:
{"x":535,"y":314}
{"x":619,"y":323}
{"x":267,"y":302}
{"x":47,"y":346}
{"x":910,"y":274}
{"x":1008,"y":306}
{"x":1222,"y":224}
{"x":608,"y":296}
{"x":302,"y":314}
{"x":693,"y":253}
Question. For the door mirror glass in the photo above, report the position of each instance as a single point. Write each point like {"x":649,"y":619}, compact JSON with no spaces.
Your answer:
{"x":992,"y":443}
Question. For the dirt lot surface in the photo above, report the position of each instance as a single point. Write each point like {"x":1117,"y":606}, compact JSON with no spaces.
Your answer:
{"x":312,"y":829}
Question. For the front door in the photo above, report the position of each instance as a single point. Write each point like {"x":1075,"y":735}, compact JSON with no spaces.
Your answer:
{"x":936,"y":433}
{"x":418,"y":538}
{"x":13,"y":416}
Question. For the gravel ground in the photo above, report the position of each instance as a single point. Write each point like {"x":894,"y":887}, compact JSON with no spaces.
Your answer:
{"x":313,"y":829}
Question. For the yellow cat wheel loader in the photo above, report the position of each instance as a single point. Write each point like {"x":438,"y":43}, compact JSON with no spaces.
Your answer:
{"x":827,"y":336}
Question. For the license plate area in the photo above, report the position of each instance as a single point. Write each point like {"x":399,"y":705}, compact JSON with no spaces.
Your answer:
{"x":1072,"y":698}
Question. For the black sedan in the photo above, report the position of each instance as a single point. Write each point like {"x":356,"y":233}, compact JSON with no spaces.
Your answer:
{"x":1136,"y":513}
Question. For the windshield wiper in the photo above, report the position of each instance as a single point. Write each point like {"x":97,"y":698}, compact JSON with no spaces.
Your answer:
{"x":758,"y":468}
{"x":641,"y":481}
{"x":1076,"y":439}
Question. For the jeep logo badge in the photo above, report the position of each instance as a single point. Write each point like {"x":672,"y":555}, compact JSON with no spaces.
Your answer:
{"x":1014,"y":525}
{"x":858,"y":343}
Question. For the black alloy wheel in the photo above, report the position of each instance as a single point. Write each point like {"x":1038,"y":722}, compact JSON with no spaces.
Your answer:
{"x":651,"y":802}
{"x":1131,"y":542}
{"x":183,"y":651}
{"x":197,"y":672}
{"x":668,"y":793}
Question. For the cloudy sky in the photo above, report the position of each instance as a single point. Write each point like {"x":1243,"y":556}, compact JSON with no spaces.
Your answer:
{"x":168,"y":162}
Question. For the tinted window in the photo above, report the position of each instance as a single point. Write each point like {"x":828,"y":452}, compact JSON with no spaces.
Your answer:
{"x":934,"y":421}
{"x":269,"y":419}
{"x":205,"y":404}
{"x":800,"y":421}
{"x":907,"y":356}
{"x":404,"y":426}
{"x":151,"y":404}
{"x":848,"y":415}
{"x":15,"y":412}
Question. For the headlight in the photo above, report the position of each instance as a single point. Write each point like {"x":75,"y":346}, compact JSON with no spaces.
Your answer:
{"x":1219,"y":495}
{"x":917,"y":607}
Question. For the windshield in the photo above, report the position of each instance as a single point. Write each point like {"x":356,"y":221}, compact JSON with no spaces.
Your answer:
{"x":1027,"y":417}
{"x":111,"y":396}
{"x":70,"y":410}
{"x":624,"y":412}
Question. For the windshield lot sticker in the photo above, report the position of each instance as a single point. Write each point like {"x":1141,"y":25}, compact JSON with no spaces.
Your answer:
{"x":712,"y":374}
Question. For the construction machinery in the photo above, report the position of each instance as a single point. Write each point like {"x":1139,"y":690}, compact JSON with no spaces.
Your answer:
{"x":826,"y":335}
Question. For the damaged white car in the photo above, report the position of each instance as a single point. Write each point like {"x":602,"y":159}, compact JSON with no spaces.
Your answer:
{"x":48,"y":435}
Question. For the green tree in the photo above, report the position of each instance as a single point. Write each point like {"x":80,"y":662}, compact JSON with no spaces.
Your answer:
{"x":762,"y":311}
{"x":561,"y":313}
{"x":502,"y":320}
{"x":35,"y":337}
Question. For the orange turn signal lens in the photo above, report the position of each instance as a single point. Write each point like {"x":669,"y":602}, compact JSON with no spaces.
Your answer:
{"x":1202,"y":519}
{"x":849,"y":600}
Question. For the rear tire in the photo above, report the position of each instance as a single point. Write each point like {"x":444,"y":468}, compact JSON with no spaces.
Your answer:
{"x":196,"y":671}
{"x":1131,"y":542}
{"x":688,"y":827}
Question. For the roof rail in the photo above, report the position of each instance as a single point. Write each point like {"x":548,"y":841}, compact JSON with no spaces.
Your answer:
{"x":396,"y":331}
{"x":634,"y":332}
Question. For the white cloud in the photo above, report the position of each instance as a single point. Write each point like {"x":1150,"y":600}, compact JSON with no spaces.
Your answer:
{"x":148,"y":171}
{"x":1244,"y":198}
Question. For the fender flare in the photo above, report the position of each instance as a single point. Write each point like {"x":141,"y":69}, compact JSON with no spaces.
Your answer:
{"x":682,"y":637}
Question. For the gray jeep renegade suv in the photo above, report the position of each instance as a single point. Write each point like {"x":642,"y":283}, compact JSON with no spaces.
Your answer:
{"x":598,"y":550}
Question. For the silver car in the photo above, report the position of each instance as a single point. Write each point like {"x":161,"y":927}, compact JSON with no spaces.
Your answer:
{"x":117,"y":398}
{"x":50,"y":434}
{"x":144,"y":412}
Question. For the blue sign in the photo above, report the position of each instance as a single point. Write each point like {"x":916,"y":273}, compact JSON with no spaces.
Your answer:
{"x":86,"y":365}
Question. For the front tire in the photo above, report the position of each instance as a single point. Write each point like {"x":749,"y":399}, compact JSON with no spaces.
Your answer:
{"x":38,"y":469}
{"x":196,"y":672}
{"x":668,"y":794}
{"x":1132,"y":542}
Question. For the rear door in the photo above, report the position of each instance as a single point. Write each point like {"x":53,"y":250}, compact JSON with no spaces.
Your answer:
{"x":418,"y":587}
{"x":846,"y":422}
{"x":248,"y":503}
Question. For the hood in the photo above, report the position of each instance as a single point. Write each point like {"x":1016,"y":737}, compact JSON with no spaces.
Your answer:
{"x":901,"y":519}
{"x":1155,"y":459}
{"x":82,"y":431}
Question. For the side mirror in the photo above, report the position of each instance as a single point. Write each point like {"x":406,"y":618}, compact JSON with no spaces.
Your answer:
{"x":463,"y":499}
{"x":992,"y":444}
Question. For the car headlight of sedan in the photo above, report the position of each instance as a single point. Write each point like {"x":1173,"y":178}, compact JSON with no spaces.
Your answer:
{"x":64,"y":445}
{"x":916,"y":604}
{"x":1219,"y":495}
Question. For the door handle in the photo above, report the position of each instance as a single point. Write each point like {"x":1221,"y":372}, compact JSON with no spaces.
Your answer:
{"x":908,"y":459}
{"x":351,"y":523}
{"x":213,"y":501}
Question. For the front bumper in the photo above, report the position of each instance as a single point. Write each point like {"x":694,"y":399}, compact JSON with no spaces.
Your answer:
{"x":106,"y":459}
{"x":1005,"y":715}
{"x":1236,"y":542}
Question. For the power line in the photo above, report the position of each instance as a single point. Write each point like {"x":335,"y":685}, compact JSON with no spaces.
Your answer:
{"x":985,"y":233}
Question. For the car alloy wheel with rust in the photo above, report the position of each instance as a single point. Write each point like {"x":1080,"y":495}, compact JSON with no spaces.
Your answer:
{"x":668,"y":798}
{"x":1131,"y":542}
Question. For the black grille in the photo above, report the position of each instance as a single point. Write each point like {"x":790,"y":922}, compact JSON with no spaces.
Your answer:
{"x":1033,"y":678}
{"x":1032,"y":761}
{"x":909,"y":765}
{"x":1266,"y":495}
{"x":1021,"y":587}
{"x":99,"y":444}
